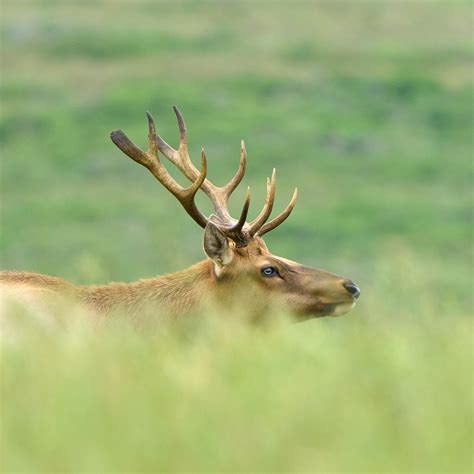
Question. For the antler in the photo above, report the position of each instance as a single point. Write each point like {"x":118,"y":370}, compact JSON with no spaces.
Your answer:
{"x":237,"y":230}
{"x":281,"y":217}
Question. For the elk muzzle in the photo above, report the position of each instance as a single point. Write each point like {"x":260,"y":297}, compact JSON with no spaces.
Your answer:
{"x":316,"y":293}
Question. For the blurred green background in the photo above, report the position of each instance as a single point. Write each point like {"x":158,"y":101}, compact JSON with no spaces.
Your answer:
{"x":365,"y":106}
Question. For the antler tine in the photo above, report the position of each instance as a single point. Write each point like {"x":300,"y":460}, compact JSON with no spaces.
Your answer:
{"x":183,"y":133}
{"x":231,"y":186}
{"x":152,"y":138}
{"x":267,"y":207}
{"x":185,"y":164}
{"x":167,"y":150}
{"x":280,"y":218}
{"x":243,"y":215}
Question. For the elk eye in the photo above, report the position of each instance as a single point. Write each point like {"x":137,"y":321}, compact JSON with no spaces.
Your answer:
{"x":269,"y":271}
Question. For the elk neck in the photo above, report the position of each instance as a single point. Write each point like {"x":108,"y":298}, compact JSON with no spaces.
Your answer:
{"x":173,"y":294}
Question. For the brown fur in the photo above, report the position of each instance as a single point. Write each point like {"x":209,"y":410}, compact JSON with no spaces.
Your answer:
{"x":173,"y":294}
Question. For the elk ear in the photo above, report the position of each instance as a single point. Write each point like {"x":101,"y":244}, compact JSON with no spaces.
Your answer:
{"x":216,"y":245}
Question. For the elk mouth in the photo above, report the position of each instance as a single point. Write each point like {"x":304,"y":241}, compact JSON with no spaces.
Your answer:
{"x":339,"y":309}
{"x":329,"y":309}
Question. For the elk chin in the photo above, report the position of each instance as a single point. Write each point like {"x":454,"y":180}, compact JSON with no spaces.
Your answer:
{"x":319,"y":309}
{"x":340,"y":309}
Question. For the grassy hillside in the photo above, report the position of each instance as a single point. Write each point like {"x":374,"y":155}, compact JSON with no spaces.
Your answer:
{"x":367,"y":108}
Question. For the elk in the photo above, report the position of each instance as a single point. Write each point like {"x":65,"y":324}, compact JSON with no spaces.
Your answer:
{"x":239,"y":270}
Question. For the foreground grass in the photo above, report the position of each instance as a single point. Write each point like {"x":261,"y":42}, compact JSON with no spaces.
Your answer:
{"x":385,"y":389}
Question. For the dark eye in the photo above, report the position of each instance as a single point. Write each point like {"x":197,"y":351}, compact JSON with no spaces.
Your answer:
{"x":269,"y":271}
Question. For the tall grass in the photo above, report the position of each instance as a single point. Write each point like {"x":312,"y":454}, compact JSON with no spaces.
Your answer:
{"x":387,"y":388}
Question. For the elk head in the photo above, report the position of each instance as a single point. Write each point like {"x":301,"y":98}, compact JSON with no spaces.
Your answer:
{"x":235,"y":246}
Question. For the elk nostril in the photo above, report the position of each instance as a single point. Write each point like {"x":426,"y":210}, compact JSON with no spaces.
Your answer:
{"x":352,"y":289}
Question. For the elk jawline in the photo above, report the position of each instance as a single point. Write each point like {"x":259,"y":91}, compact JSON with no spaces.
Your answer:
{"x":338,"y":309}
{"x":330,"y":309}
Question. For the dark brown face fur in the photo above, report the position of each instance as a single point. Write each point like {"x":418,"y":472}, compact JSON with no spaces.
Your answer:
{"x":305,"y":291}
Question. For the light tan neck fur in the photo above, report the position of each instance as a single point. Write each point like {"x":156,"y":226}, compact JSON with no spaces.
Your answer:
{"x":163,"y":297}
{"x":169,"y":295}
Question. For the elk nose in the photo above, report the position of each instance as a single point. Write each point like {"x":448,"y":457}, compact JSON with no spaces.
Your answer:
{"x":352,"y":289}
